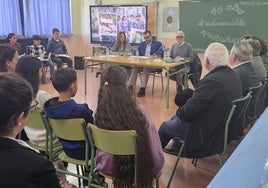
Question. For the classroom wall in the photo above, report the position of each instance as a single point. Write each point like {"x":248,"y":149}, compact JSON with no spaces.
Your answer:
{"x":79,"y":43}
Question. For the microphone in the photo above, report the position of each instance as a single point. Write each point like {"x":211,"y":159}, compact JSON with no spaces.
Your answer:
{"x":161,"y":52}
{"x":163,"y":49}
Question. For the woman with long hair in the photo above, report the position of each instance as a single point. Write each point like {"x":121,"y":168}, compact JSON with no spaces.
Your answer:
{"x":117,"y":110}
{"x":121,"y":46}
{"x":30,"y":68}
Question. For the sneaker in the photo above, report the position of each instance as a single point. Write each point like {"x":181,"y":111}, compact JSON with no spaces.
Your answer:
{"x":173,"y":147}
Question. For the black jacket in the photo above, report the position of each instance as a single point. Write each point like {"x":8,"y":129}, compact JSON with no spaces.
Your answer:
{"x":205,"y":111}
{"x":24,"y":168}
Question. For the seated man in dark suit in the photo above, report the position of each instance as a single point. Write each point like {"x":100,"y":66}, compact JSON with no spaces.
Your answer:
{"x":240,"y":61}
{"x":20,"y":165}
{"x":146,"y":48}
{"x":200,"y":122}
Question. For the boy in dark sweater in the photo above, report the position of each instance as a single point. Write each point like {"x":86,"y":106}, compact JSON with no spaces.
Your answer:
{"x":64,"y":107}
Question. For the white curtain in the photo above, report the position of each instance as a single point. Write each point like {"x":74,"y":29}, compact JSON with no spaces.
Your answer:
{"x":10,"y":18}
{"x":41,"y":16}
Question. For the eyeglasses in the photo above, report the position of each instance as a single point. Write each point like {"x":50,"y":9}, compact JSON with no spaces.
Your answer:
{"x":146,"y":37}
{"x":33,"y":105}
{"x":179,"y":37}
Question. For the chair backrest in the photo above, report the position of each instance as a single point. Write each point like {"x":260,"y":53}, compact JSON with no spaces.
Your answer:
{"x":114,"y":142}
{"x":263,"y":98}
{"x":69,"y":129}
{"x":97,"y":50}
{"x":253,"y":106}
{"x":36,"y":120}
{"x":237,"y":123}
{"x":228,"y":119}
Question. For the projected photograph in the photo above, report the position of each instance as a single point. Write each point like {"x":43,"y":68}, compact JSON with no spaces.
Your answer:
{"x":107,"y":21}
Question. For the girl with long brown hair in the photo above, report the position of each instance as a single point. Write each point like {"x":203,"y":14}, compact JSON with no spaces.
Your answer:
{"x":117,"y":110}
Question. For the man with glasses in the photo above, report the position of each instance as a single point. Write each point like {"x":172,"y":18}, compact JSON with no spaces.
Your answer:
{"x":146,"y":48}
{"x":179,"y":51}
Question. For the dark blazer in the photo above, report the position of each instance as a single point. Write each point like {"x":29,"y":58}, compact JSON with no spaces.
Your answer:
{"x":205,"y":111}
{"x":247,"y":75}
{"x":22,"y":167}
{"x":155,"y":46}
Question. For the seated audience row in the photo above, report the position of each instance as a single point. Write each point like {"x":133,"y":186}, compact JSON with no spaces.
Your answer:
{"x":200,"y":120}
{"x":55,"y":47}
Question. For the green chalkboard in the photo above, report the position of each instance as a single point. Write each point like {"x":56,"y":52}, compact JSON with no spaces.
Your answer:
{"x":223,"y":21}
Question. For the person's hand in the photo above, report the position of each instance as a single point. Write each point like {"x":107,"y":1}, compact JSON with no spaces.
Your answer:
{"x":115,"y":53}
{"x":179,"y":58}
{"x":56,"y":55}
{"x":126,"y":54}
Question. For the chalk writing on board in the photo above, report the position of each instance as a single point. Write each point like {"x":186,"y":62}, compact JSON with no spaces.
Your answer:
{"x":236,"y":8}
{"x":215,"y":23}
{"x":216,"y":10}
{"x":218,"y":38}
{"x":253,"y":3}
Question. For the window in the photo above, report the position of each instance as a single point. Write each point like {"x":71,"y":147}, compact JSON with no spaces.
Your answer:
{"x":10,"y":18}
{"x":37,"y":17}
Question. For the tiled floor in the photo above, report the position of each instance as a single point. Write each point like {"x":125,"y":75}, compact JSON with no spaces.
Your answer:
{"x":186,"y":175}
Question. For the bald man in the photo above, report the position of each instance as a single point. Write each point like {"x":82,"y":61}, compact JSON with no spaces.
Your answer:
{"x":200,"y":122}
{"x":179,"y":50}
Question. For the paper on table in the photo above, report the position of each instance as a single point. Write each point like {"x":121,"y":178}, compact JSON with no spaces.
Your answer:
{"x":43,"y":59}
{"x":143,"y":57}
{"x":63,"y":55}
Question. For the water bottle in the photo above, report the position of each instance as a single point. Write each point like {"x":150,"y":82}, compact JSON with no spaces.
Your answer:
{"x":165,"y":55}
{"x":264,"y":177}
{"x":137,"y":52}
{"x":107,"y":52}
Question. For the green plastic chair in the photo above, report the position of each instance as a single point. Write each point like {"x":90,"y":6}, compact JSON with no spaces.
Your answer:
{"x":237,"y":107}
{"x":113,"y":142}
{"x":37,"y":121}
{"x":252,"y":111}
{"x":73,"y":130}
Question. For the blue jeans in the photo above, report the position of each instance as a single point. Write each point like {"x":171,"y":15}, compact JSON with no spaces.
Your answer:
{"x":172,"y":128}
{"x":51,"y":67}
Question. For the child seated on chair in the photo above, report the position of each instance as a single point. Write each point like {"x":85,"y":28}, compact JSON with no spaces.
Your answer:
{"x":38,"y":50}
{"x":64,"y":107}
{"x":117,"y":110}
{"x":29,"y":68}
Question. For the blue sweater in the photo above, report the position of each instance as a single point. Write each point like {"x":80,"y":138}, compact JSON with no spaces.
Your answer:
{"x":56,"y":47}
{"x":66,"y":110}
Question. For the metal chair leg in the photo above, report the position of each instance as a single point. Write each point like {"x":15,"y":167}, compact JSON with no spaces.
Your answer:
{"x":176,"y":164}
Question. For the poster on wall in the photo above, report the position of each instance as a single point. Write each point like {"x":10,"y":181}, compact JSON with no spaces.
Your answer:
{"x":107,"y":21}
{"x":170,"y":19}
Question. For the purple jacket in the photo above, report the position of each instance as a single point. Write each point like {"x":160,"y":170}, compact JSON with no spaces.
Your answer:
{"x":104,"y":161}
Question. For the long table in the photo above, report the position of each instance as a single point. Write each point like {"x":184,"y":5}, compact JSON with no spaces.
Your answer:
{"x":138,"y":62}
{"x":245,"y":166}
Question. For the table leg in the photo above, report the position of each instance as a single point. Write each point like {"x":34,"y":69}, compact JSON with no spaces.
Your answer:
{"x":85,"y":74}
{"x":167,"y":89}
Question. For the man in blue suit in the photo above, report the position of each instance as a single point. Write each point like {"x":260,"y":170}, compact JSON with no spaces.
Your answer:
{"x":146,"y":48}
